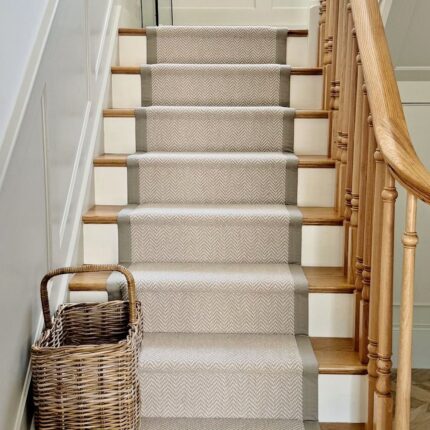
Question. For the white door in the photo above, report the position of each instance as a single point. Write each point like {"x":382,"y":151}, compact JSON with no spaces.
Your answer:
{"x":290,"y":13}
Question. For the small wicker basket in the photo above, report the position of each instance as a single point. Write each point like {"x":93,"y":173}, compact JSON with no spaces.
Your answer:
{"x":85,"y":363}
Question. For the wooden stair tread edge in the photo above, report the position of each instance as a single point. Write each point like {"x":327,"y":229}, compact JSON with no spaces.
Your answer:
{"x":108,"y":214}
{"x":300,"y":114}
{"x":142,"y":32}
{"x":328,"y":280}
{"x":317,"y":283}
{"x":305,"y":161}
{"x":337,"y":356}
{"x":135,"y":70}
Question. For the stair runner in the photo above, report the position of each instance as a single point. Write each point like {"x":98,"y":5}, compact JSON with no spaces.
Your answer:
{"x":213,"y":238}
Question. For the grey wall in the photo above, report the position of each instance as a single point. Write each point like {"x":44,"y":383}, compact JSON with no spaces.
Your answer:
{"x":46,"y":182}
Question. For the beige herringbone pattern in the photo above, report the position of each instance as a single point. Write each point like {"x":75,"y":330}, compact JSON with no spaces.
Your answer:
{"x":216,"y":178}
{"x":217,"y":129}
{"x":189,"y":375}
{"x":212,"y":233}
{"x":217,"y":45}
{"x":215,"y":298}
{"x":215,"y":85}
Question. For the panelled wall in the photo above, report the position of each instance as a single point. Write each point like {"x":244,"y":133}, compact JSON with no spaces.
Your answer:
{"x":47,"y":171}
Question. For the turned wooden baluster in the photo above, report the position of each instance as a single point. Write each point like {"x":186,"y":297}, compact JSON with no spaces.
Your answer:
{"x":367,"y":245}
{"x":359,"y":208}
{"x":335,"y":84}
{"x":383,"y":398}
{"x":353,"y":108}
{"x":329,"y":60}
{"x":353,"y":179}
{"x":336,"y":139}
{"x":380,"y":167}
{"x":323,"y":10}
{"x":346,"y":108}
{"x":403,"y":391}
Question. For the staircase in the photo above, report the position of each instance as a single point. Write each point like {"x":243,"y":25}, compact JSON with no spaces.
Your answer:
{"x":217,"y":190}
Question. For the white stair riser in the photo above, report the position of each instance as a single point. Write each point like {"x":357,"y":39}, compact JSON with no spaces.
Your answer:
{"x":132,"y":51}
{"x":101,"y":245}
{"x":342,"y":398}
{"x":305,"y":91}
{"x":310,"y":136}
{"x":110,"y":186}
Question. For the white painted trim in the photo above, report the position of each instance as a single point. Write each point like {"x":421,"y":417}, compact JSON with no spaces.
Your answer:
{"x":111,"y":43}
{"x":72,"y":185}
{"x":14,"y":123}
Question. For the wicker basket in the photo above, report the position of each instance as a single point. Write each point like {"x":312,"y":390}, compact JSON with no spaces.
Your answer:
{"x":85,"y":363}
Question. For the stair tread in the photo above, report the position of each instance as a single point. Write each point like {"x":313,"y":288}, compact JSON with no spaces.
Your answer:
{"x":238,"y":424}
{"x":227,"y":424}
{"x":136,"y":70}
{"x":305,"y":161}
{"x":108,"y":214}
{"x":327,"y":280}
{"x":337,"y":356}
{"x":130,"y":113}
{"x":142,"y":32}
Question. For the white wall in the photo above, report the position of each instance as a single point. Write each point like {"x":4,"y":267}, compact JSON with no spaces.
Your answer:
{"x":416,"y":104}
{"x":20,"y":22}
{"x":56,"y":57}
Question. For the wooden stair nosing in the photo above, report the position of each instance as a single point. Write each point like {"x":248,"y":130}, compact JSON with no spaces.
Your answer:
{"x":300,"y":114}
{"x":295,"y":71}
{"x":342,"y":426}
{"x":305,"y":161}
{"x":108,"y":214}
{"x":142,"y":32}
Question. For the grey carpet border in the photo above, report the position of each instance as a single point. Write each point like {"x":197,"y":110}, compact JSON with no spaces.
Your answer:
{"x":141,"y":129}
{"x":291,"y":179}
{"x":301,"y":300}
{"x":295,"y":239}
{"x":146,"y":85}
{"x":288,"y":130}
{"x":124,"y":234}
{"x":133,"y":191}
{"x":311,"y":425}
{"x":151,"y":45}
{"x":281,"y":45}
{"x":113,"y":285}
{"x":284,"y":86}
{"x":310,"y":378}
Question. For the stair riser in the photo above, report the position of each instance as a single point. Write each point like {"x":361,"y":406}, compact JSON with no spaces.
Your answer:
{"x":110,"y":186}
{"x":342,"y":398}
{"x":132,"y":51}
{"x":321,"y":245}
{"x":329,"y":314}
{"x":305,"y":91}
{"x":310,"y":136}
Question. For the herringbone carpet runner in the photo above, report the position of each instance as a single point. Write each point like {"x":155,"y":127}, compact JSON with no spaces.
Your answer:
{"x":213,"y":236}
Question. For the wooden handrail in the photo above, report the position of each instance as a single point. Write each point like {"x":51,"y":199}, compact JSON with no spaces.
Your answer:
{"x":384,"y":99}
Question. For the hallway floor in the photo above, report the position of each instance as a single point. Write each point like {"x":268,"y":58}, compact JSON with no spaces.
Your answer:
{"x":420,"y":404}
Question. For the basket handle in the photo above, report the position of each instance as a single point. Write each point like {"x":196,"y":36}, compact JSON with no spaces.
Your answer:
{"x":83,"y":269}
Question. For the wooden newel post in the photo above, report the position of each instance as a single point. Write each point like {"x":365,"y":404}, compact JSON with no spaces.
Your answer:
{"x":383,"y":398}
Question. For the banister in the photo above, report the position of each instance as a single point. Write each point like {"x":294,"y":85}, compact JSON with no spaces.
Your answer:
{"x":385,"y":104}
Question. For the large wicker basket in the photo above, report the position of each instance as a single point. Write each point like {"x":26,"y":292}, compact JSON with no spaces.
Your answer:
{"x":85,"y":363}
